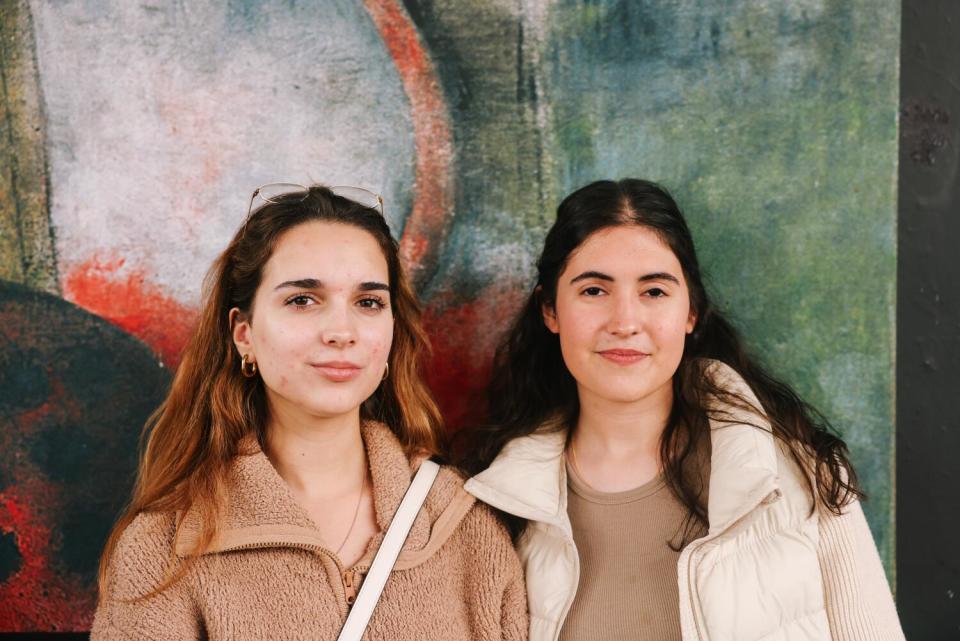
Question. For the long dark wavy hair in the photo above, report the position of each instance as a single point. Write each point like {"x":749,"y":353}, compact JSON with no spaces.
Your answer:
{"x":531,"y":387}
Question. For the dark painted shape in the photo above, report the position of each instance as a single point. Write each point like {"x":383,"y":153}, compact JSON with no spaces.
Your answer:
{"x":82,"y":390}
{"x":928,"y":323}
{"x":61,"y":452}
{"x":23,"y":381}
{"x":10,"y":559}
{"x":85,"y":527}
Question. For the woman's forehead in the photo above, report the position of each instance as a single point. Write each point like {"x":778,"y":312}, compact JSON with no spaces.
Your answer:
{"x":623,"y":247}
{"x":333,"y":254}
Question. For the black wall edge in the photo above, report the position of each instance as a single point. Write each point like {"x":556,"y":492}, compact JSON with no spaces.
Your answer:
{"x":928,"y":323}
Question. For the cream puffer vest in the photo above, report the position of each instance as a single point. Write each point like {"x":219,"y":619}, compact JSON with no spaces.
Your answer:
{"x":755,"y":576}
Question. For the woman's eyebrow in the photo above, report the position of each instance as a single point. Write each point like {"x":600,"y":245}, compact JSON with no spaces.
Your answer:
{"x":591,"y":274}
{"x":606,"y":277}
{"x":372,"y":286}
{"x":659,"y":276}
{"x":316,"y":283}
{"x":301,"y":283}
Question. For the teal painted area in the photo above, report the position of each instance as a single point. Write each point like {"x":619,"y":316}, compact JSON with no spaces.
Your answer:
{"x":774,"y":123}
{"x":775,"y":126}
{"x":486,"y":58}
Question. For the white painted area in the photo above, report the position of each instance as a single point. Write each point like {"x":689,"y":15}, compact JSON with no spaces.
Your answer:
{"x":163,"y":117}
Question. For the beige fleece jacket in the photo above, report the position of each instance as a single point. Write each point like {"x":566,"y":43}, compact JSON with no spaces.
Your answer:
{"x":269,"y":576}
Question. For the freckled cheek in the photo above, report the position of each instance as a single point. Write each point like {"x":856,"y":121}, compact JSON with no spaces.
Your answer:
{"x":378,"y":340}
{"x":280,"y":353}
{"x":380,"y":349}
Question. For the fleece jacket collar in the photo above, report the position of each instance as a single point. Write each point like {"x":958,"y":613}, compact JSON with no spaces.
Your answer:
{"x":262,"y":512}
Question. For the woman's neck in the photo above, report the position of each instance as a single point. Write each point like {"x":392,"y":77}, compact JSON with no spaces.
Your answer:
{"x":324,"y":462}
{"x":318,"y":458}
{"x":616,"y":446}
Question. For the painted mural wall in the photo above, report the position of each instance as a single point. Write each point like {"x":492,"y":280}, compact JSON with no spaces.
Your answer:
{"x":133,"y":135}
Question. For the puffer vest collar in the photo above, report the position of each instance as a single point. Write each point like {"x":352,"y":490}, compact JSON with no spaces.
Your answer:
{"x":749,"y":478}
{"x":528,"y":478}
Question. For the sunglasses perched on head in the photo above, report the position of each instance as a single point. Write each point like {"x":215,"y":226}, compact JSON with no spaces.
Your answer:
{"x":293,"y":192}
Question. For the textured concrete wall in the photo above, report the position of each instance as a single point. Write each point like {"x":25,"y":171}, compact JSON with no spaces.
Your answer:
{"x":135,"y":133}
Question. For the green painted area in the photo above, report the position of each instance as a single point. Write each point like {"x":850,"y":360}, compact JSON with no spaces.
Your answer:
{"x":487,"y":59}
{"x":774,"y":124}
{"x":26,"y":239}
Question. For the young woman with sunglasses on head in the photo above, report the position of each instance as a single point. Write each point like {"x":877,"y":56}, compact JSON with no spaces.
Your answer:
{"x":661,"y":484}
{"x":294,"y":424}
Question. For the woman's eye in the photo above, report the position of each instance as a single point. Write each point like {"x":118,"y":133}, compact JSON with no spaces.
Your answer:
{"x":371,"y":303}
{"x":593,"y":291}
{"x":656,"y":292}
{"x":301,"y":300}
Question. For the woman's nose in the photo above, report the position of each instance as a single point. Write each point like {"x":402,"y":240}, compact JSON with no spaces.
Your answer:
{"x":625,"y":318}
{"x":338,"y":338}
{"x":337,"y":330}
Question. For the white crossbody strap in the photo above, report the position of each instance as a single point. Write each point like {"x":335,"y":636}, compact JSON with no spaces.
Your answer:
{"x":386,"y":556}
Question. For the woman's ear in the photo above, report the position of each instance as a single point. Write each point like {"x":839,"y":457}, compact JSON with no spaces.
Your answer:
{"x":691,"y":321}
{"x":548,"y":312}
{"x":240,"y":331}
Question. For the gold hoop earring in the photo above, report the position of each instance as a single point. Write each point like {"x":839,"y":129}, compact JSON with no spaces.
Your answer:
{"x":247,"y":367}
{"x":386,"y":372}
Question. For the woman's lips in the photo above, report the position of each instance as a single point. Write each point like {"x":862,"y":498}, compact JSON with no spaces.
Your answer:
{"x":623,"y":356}
{"x":338,"y":371}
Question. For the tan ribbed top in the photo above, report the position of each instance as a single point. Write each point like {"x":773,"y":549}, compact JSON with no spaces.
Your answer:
{"x":628,"y":571}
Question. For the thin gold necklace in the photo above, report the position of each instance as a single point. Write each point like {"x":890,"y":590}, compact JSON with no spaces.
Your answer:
{"x":356,"y":511}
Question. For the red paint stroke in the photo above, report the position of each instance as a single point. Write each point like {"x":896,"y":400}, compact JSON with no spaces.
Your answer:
{"x":132,"y":303}
{"x":464,"y":338}
{"x":426,"y":226}
{"x":56,"y":404}
{"x":38,"y":597}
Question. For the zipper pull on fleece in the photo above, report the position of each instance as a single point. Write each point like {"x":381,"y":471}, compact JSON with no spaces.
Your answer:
{"x":350,"y":586}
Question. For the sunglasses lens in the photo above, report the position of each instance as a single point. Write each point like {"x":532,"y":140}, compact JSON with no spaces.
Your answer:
{"x":293,"y":192}
{"x":361,"y":196}
{"x":277,"y":192}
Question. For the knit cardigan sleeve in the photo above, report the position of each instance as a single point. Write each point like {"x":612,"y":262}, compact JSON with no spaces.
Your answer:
{"x":514,"y":620}
{"x":502,"y":593}
{"x":138,"y":565}
{"x":858,"y":600}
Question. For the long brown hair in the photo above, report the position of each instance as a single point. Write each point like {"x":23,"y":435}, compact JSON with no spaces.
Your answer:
{"x":531,"y":385}
{"x":188,"y":444}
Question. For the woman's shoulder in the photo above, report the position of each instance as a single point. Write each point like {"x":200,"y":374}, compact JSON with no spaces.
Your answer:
{"x":143,"y":554}
{"x":477,"y":520}
{"x":448,"y":503}
{"x":449,"y":481}
{"x":150,"y":532}
{"x":489,"y":541}
{"x":728,"y":381}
